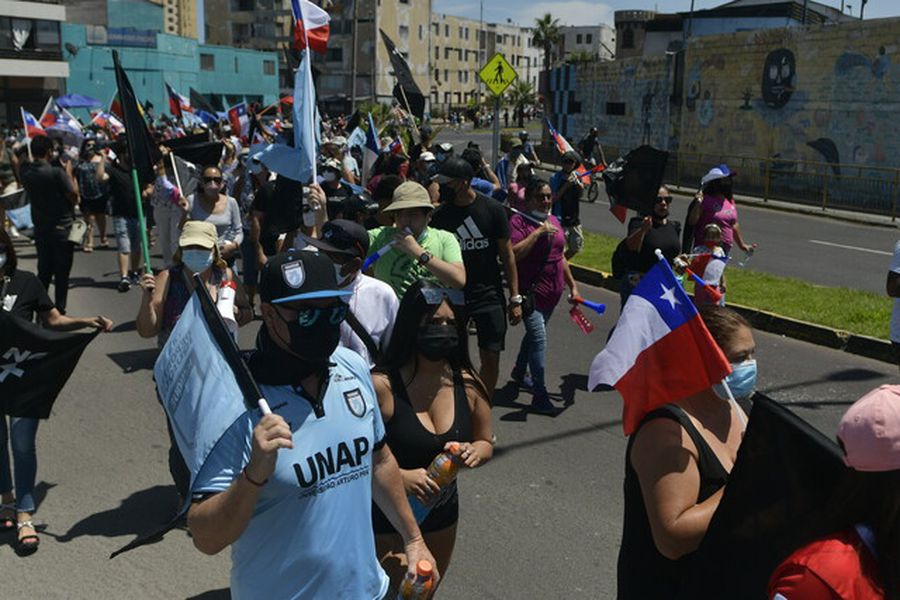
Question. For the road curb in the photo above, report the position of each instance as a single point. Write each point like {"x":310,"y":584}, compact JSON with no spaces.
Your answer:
{"x":820,"y":335}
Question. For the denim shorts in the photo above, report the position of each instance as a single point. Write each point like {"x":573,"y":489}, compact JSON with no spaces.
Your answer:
{"x":128,"y":232}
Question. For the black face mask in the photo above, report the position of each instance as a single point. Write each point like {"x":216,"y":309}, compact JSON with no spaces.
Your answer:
{"x":315,"y":334}
{"x":446,"y":194}
{"x":437,"y":342}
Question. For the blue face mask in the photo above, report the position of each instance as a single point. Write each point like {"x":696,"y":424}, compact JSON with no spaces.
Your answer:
{"x":741,"y":381}
{"x":197,"y":260}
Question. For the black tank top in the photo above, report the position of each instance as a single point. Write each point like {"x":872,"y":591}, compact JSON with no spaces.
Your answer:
{"x":644,"y":573}
{"x":415,"y":447}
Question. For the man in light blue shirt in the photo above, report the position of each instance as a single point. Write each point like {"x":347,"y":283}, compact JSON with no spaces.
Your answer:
{"x":291,"y":491}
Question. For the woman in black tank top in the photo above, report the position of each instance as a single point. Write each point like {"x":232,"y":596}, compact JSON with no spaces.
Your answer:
{"x":676,"y":466}
{"x":429,"y":397}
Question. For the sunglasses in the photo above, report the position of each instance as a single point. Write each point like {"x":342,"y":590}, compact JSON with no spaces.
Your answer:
{"x":212,"y":180}
{"x":435,"y":296}
{"x":666,"y":199}
{"x":307,"y":317}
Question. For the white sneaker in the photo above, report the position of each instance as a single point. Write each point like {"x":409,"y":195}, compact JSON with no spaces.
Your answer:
{"x":13,"y":232}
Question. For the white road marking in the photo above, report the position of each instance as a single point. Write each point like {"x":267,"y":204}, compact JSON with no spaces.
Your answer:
{"x":857,"y":248}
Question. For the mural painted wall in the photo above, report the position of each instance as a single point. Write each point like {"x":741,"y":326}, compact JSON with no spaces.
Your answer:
{"x":829,"y":94}
{"x":627,"y":100}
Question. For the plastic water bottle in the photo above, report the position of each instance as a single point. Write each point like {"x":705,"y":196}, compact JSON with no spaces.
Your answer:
{"x":443,"y":471}
{"x":225,"y":305}
{"x":420,"y":586}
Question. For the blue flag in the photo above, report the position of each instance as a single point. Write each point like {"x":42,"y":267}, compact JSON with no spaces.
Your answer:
{"x":197,"y":387}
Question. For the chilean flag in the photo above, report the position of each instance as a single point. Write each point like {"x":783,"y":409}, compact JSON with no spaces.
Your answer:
{"x":372,"y":148}
{"x":311,"y":26}
{"x":660,"y":350}
{"x":106,"y":120}
{"x":396,"y":147}
{"x":239,"y":119}
{"x":178,"y":104}
{"x":562,"y":144}
{"x":33,"y":128}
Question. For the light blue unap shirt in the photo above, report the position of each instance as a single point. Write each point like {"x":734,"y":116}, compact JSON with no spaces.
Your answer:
{"x":310,"y":536}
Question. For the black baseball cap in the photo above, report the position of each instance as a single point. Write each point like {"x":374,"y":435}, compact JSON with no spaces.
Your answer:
{"x":343,"y":237}
{"x":298,"y":275}
{"x":454,"y":168}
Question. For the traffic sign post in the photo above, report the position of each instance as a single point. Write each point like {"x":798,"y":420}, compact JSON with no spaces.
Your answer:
{"x":497,"y":74}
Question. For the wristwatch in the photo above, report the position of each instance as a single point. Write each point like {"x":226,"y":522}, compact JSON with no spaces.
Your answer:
{"x":515,"y":300}
{"x":424,"y":258}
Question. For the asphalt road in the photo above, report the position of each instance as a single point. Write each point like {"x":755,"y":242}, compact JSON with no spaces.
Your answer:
{"x":821,"y":250}
{"x":542,"y":520}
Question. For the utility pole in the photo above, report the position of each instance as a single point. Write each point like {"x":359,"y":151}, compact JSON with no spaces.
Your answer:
{"x":354,"y":57}
{"x":862,"y":8}
{"x":805,"y":7}
{"x":481,"y":40}
{"x":690,"y":26}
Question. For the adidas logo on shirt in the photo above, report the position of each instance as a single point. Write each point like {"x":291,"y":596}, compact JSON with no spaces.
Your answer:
{"x":470,"y":237}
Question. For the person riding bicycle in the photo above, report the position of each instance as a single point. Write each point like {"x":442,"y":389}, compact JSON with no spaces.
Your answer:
{"x":588,"y":145}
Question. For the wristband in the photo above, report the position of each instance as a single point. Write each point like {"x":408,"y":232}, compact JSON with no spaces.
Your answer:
{"x":258,"y":484}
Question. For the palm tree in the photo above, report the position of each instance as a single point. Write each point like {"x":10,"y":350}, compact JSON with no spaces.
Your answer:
{"x":580,"y":56}
{"x":520,"y":94}
{"x":546,"y":35}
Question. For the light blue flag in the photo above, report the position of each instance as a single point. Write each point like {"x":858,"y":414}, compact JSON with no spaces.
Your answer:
{"x":197,"y":388}
{"x":357,"y":138}
{"x":307,"y":137}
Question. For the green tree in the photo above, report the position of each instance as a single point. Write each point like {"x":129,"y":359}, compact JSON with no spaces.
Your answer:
{"x":546,"y":35}
{"x":520,"y":94}
{"x":580,"y":56}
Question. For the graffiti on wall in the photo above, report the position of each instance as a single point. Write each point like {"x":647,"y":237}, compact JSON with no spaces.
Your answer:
{"x":778,"y":74}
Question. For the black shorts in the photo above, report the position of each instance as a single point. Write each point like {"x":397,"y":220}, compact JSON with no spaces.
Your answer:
{"x":439,"y":518}
{"x":896,"y":346}
{"x":490,"y":320}
{"x":95,"y":206}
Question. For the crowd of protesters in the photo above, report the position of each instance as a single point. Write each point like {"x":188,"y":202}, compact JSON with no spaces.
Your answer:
{"x":378,"y":273}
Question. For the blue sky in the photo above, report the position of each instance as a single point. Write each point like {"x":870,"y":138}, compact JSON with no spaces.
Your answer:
{"x":582,"y":12}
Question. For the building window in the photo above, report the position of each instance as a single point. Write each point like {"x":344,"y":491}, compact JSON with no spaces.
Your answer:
{"x":268,"y":67}
{"x":467,"y":33}
{"x":615,"y":108}
{"x":459,"y":77}
{"x":459,"y":54}
{"x":578,"y":39}
{"x":588,"y":38}
{"x":437,"y":76}
{"x":460,"y":32}
{"x":437,"y":53}
{"x":437,"y":28}
{"x":446,"y":31}
{"x":48,"y":35}
{"x":207,"y":62}
{"x":404,"y":32}
{"x":628,"y":38}
{"x":236,"y":69}
{"x":404,"y":1}
{"x":334,"y":55}
{"x":446,"y":75}
{"x":421,"y":32}
{"x":447,"y":53}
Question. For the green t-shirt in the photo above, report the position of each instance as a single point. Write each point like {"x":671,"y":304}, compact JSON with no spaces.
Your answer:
{"x":398,"y":269}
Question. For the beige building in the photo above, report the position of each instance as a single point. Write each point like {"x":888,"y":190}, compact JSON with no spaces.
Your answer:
{"x":180,"y":17}
{"x":461,"y":46}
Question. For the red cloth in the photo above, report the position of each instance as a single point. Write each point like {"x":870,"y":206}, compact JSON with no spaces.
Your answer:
{"x":839,"y":567}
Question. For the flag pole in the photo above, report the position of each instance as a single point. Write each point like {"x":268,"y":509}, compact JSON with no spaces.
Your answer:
{"x":27,"y":137}
{"x":412,"y":117}
{"x":175,"y":171}
{"x":145,"y":244}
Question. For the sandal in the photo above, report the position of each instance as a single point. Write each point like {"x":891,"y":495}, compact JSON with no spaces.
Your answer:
{"x":8,"y":522}
{"x":87,"y":249}
{"x":104,"y":244}
{"x":27,"y":544}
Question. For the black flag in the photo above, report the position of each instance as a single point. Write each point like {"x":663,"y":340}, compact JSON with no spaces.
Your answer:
{"x":783,"y":476}
{"x":406,"y":91}
{"x":35,"y":364}
{"x":143,"y":151}
{"x":633,"y":181}
{"x":198,"y":101}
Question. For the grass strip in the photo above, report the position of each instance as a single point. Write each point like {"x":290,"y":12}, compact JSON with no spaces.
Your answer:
{"x":841,"y":308}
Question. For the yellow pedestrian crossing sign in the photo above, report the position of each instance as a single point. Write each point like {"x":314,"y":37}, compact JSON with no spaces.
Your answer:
{"x":498,"y":74}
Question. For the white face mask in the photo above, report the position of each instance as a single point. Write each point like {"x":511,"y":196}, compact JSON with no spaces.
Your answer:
{"x":342,"y":279}
{"x":2,"y":259}
{"x":197,"y":260}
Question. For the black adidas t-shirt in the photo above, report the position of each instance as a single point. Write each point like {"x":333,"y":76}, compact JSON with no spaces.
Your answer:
{"x":23,"y":295}
{"x":477,"y":226}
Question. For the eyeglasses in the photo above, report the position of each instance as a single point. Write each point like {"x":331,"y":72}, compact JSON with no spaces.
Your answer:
{"x":307,"y":317}
{"x":666,"y":199}
{"x":435,"y":296}
{"x":212,"y":180}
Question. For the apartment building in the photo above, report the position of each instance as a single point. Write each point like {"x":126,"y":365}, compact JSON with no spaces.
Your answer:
{"x":31,"y":56}
{"x":461,"y":46}
{"x":598,"y":41}
{"x":354,"y":46}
